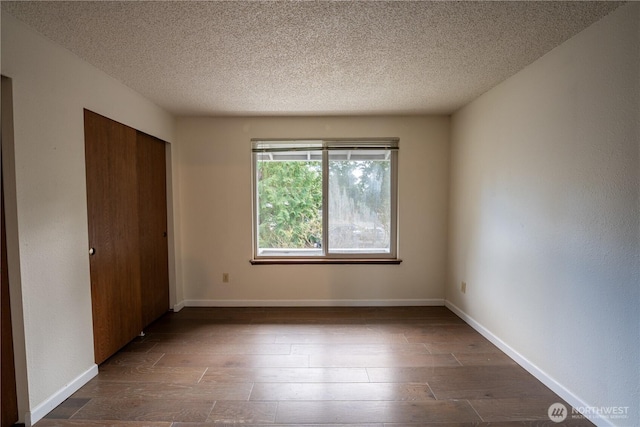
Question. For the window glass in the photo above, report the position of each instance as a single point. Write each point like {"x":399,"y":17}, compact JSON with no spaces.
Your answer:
{"x":359,"y":203}
{"x":290,"y":203}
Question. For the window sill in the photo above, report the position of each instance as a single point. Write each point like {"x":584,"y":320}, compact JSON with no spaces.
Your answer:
{"x":296,"y":261}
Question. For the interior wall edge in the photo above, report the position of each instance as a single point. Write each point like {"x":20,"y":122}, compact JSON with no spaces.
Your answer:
{"x":8,"y":171}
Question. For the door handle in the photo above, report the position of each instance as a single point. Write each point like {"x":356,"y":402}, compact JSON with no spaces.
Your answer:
{"x":92,"y":251}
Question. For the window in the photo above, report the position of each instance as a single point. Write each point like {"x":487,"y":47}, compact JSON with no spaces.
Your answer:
{"x":325,"y":199}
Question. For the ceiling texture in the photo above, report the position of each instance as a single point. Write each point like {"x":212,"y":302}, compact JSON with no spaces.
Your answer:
{"x":223,"y":58}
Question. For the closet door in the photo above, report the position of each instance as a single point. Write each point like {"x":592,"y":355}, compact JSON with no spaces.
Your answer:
{"x":152,"y":211}
{"x":112,"y":202}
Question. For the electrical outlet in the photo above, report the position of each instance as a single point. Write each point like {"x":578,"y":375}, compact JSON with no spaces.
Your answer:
{"x":225,"y":277}
{"x":463,"y":287}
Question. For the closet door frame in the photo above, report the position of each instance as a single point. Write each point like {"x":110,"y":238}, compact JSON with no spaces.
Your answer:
{"x":127,"y":216}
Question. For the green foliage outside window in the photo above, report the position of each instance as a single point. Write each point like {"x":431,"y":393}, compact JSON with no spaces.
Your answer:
{"x":290,"y":210}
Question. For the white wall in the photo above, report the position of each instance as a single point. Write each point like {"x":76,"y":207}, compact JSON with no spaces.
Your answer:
{"x":51,"y":87}
{"x":545,"y":209}
{"x":215,"y":187}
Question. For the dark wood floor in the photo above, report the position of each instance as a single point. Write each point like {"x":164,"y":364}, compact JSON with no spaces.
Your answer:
{"x":395,"y":366}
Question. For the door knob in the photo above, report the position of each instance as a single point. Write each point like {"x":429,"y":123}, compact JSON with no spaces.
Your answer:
{"x":92,"y":251}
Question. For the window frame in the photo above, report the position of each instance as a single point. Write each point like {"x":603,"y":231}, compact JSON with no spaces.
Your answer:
{"x":326,"y":145}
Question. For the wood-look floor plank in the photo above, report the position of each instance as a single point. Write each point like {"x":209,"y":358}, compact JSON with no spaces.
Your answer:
{"x":241,"y":349}
{"x":486,"y":359}
{"x":188,"y":328}
{"x":340,"y":391}
{"x":442,"y":334}
{"x":423,"y":328}
{"x":220,"y":337}
{"x":461,"y":347}
{"x":243,"y":412}
{"x":516,"y":409}
{"x":46,"y":422}
{"x":137,"y":346}
{"x":141,"y":409}
{"x":406,"y":312}
{"x":358,"y":349}
{"x":302,"y":329}
{"x":243,"y":314}
{"x":233,"y":361}
{"x":150,"y":374}
{"x":382,"y":360}
{"x":133,"y":359}
{"x":198,"y":330}
{"x":528,"y":423}
{"x":341,"y":338}
{"x":283,"y":375}
{"x":213,"y":424}
{"x":346,"y":412}
{"x":468,"y":382}
{"x":482,"y":382}
{"x":413,"y":322}
{"x":166,"y":390}
{"x":311,"y":319}
{"x":67,"y":408}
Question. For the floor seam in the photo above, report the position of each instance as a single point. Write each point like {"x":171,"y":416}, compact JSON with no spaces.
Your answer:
{"x":475,"y":410}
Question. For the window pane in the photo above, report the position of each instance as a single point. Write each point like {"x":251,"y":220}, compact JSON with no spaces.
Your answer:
{"x":359,"y":202}
{"x":289,"y":200}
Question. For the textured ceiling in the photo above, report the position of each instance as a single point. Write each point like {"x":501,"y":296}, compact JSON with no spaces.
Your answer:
{"x":276,"y":57}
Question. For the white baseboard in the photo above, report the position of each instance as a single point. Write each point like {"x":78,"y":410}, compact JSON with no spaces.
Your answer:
{"x":60,"y":396}
{"x":179,"y":306}
{"x":314,"y":303}
{"x":534,"y":370}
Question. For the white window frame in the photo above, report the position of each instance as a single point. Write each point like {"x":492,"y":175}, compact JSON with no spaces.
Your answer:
{"x":390,"y":146}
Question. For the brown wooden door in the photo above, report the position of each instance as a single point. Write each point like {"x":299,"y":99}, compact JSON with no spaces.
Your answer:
{"x":8,"y":395}
{"x":152,"y":211}
{"x":112,"y":202}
